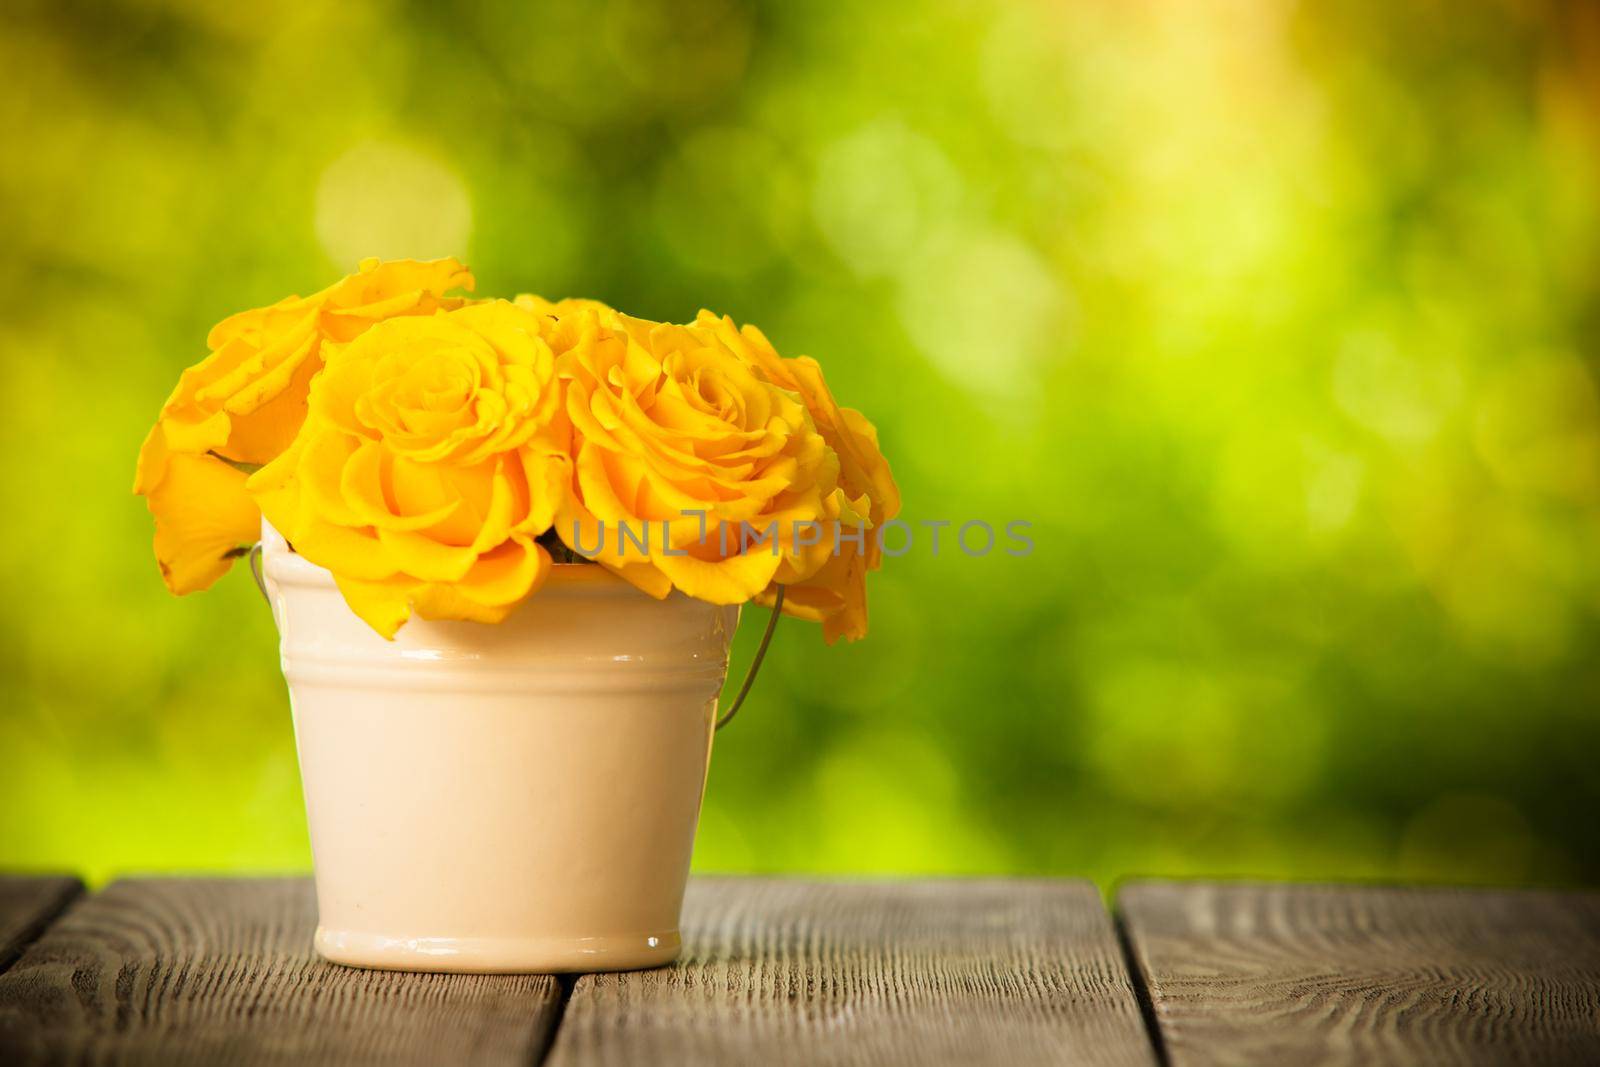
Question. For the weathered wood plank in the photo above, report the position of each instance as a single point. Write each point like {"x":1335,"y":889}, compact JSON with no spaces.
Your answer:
{"x":26,"y":906}
{"x":1254,"y":974}
{"x":924,"y":973}
{"x":222,"y":971}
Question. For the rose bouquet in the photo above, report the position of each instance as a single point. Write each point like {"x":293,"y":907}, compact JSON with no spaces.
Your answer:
{"x":435,"y":452}
{"x":605,"y":490}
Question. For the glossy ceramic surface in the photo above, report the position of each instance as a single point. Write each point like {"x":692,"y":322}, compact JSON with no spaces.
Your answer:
{"x":519,"y":797}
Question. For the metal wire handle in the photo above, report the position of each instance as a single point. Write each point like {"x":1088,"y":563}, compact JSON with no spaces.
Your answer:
{"x":727,"y":717}
{"x":255,"y":572}
{"x":755,"y":664}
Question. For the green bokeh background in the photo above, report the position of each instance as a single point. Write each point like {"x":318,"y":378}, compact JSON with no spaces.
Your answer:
{"x":1279,"y":322}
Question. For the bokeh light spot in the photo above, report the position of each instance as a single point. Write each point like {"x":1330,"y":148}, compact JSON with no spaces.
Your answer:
{"x":986,"y":307}
{"x":391,"y":201}
{"x":1400,"y":393}
{"x":879,"y":192}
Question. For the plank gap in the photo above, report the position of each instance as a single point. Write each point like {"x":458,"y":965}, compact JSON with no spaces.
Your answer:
{"x":28,"y":905}
{"x":567,"y":983}
{"x":1141,"y":988}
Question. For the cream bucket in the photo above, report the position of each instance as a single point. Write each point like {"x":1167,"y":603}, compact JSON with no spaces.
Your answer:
{"x":518,"y":797}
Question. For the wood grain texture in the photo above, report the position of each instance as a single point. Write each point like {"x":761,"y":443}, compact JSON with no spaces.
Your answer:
{"x":212,"y":971}
{"x":1252,"y":974}
{"x":925,"y":973}
{"x":26,"y":906}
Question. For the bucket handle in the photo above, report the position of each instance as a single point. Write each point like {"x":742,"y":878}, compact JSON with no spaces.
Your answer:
{"x":755,"y":664}
{"x":727,"y":716}
{"x":255,"y":572}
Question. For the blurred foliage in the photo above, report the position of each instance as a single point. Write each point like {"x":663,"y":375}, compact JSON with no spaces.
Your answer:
{"x":1280,"y":322}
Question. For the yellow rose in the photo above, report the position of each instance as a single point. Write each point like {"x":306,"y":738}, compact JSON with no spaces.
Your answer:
{"x":434,"y":452}
{"x":668,"y":421}
{"x":835,"y":593}
{"x":244,"y":402}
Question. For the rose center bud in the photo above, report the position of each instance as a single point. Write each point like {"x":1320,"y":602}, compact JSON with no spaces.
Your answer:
{"x":714,"y":391}
{"x":443,"y":386}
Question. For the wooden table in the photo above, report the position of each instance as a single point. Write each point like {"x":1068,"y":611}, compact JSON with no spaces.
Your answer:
{"x":777,"y":971}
